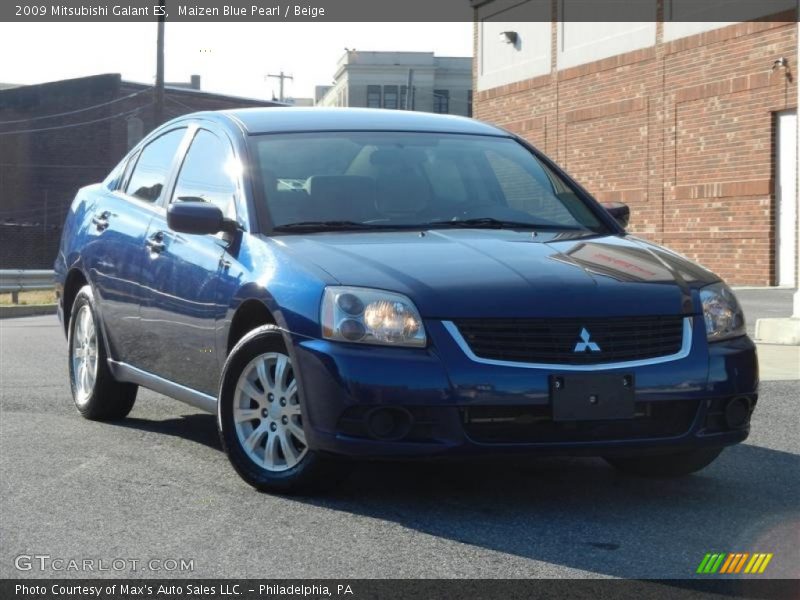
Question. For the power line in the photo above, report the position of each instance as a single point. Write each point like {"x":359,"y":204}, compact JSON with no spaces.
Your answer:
{"x":30,"y":210}
{"x":43,"y":166}
{"x":24,"y":213}
{"x":80,"y":110}
{"x":116,"y":116}
{"x":179,"y":103}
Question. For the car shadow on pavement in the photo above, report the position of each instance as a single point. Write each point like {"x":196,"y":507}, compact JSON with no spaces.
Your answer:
{"x":200,"y":428}
{"x":574,"y":512}
{"x":580,"y":513}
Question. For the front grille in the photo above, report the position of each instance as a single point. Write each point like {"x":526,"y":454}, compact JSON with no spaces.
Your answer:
{"x":534,"y":424}
{"x":553,"y":341}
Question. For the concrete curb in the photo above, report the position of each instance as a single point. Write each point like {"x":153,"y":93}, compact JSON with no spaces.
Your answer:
{"x":764,"y":288}
{"x":777,"y":362}
{"x":785,"y":330}
{"x":25,"y":310}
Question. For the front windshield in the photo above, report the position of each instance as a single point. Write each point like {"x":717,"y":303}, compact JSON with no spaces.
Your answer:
{"x":373,"y":180}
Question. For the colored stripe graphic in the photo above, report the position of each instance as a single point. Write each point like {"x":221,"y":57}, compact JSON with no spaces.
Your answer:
{"x":711,"y":563}
{"x":755,"y":563}
{"x":734,"y":562}
{"x":741,"y":562}
{"x":728,"y":562}
{"x":758,"y":563}
{"x":717,"y":564}
{"x":701,"y":568}
{"x":764,"y":564}
{"x":749,"y":566}
{"x":723,"y":563}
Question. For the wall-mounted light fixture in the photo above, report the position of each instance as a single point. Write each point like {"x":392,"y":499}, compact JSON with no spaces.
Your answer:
{"x":783,"y":63}
{"x":509,"y":37}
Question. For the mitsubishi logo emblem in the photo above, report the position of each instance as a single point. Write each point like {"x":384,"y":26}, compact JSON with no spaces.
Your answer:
{"x":586,"y":344}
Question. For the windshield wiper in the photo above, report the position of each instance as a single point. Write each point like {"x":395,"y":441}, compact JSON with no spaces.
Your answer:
{"x":489,"y":223}
{"x":480,"y":223}
{"x":311,"y":226}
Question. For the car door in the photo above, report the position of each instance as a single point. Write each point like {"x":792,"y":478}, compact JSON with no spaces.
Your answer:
{"x":119,"y":223}
{"x":180,"y":308}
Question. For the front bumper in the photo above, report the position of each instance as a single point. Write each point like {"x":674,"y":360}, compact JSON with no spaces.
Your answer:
{"x":457,"y":406}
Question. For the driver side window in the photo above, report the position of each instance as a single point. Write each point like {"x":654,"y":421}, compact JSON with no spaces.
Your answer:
{"x":208,"y":174}
{"x":153,"y":166}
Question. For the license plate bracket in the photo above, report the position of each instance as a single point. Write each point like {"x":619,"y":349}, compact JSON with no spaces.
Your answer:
{"x":592,"y":396}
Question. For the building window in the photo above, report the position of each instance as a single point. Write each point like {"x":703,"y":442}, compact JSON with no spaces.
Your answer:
{"x":403,"y":93}
{"x":373,"y":96}
{"x":441,"y":101}
{"x":390,"y":96}
{"x":469,"y":103}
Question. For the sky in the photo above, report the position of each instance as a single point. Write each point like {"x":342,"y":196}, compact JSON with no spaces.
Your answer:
{"x":231,"y":58}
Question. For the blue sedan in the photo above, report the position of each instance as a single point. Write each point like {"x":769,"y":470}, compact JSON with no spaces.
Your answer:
{"x":342,"y":283}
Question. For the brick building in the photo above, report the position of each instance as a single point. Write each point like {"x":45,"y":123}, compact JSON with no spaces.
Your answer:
{"x":692,"y":124}
{"x":56,"y":137}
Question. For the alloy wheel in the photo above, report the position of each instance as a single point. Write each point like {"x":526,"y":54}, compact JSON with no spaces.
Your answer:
{"x":267,"y":414}
{"x":84,"y":355}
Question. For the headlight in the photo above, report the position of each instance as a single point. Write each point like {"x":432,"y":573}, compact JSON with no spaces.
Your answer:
{"x":367,"y":316}
{"x":723,"y":315}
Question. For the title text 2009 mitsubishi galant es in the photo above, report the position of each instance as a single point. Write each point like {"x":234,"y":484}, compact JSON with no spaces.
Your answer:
{"x":353,"y":283}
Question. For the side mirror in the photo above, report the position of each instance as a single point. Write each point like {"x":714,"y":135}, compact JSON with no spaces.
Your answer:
{"x":618,"y":210}
{"x":197,"y":218}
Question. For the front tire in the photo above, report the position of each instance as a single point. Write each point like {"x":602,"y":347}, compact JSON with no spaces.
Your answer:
{"x":261,"y":419}
{"x":97,"y":395}
{"x":673,"y":464}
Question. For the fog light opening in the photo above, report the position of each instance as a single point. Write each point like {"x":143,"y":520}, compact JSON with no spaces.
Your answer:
{"x":389,"y":424}
{"x":737,"y":413}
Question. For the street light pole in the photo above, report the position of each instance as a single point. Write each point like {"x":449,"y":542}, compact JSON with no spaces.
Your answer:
{"x":158,"y":101}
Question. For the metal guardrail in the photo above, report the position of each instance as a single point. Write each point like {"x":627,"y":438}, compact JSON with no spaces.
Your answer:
{"x":22,"y":280}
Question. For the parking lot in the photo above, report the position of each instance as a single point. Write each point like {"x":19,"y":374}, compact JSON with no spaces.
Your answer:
{"x":157,"y":486}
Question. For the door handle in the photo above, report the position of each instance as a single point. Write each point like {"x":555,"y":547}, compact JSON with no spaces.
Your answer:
{"x":100,"y":220}
{"x":155,"y":242}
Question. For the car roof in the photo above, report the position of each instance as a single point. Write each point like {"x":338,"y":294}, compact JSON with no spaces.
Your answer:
{"x":298,"y":119}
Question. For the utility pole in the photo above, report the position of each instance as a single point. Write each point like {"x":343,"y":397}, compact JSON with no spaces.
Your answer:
{"x":409,"y":90}
{"x":281,"y":77}
{"x":158,"y":101}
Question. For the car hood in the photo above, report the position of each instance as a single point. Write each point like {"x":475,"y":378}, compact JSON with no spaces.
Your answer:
{"x":481,"y":273}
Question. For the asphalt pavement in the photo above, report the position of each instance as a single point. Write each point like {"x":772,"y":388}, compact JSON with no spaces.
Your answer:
{"x":158,"y":486}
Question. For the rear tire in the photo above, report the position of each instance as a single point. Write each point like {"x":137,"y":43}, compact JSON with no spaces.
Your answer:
{"x":97,"y":395}
{"x":674,"y":464}
{"x":261,"y":419}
